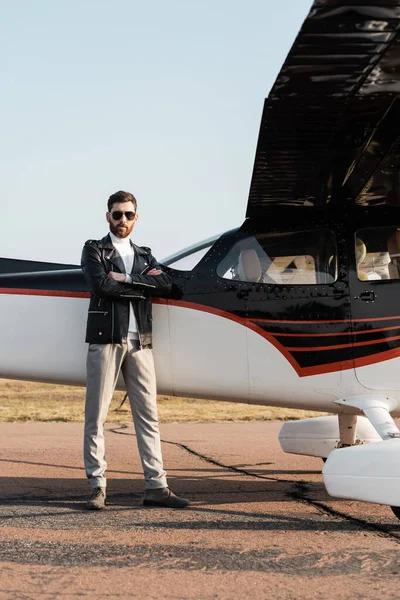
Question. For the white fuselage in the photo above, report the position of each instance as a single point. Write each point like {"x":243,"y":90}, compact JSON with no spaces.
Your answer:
{"x":197,"y":353}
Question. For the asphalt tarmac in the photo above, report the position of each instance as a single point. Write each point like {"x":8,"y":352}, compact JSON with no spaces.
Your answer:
{"x":260,"y":525}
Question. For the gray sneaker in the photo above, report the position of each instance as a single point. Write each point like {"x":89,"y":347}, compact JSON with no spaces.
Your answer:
{"x":97,"y":499}
{"x":164,"y":498}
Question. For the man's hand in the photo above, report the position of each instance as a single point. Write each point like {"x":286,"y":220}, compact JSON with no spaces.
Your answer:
{"x":120,"y":277}
{"x":154,"y":272}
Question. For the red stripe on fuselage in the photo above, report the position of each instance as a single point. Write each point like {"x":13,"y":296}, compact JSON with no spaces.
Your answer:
{"x":325,"y":322}
{"x":301,"y":371}
{"x":57,"y":293}
{"x":250,"y":324}
{"x":340,"y":346}
{"x":336,"y":334}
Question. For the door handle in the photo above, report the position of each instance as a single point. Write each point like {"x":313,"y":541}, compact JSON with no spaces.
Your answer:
{"x":366,"y":296}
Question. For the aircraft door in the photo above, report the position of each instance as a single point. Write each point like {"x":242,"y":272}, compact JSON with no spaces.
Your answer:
{"x":297,"y":310}
{"x":374,"y":279}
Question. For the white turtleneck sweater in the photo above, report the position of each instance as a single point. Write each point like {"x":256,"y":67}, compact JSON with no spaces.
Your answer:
{"x":124,"y":248}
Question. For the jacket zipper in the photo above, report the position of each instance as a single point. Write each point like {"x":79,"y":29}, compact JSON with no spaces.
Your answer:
{"x":134,"y":312}
{"x":139,"y":333}
{"x":112,"y":315}
{"x":98,"y":312}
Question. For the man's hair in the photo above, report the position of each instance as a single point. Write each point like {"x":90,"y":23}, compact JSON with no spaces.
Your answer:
{"x":121,"y":197}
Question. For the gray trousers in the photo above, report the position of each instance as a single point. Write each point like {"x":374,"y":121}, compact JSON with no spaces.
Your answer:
{"x":104,"y":363}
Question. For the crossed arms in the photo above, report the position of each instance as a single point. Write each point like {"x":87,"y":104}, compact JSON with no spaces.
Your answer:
{"x":114,"y":285}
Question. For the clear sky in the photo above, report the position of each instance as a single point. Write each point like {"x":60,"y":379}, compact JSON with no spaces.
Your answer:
{"x":160,"y":98}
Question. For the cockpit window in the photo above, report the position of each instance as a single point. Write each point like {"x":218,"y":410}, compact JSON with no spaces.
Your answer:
{"x":188,"y":262}
{"x":378,"y":253}
{"x":188,"y":258}
{"x":293,"y":258}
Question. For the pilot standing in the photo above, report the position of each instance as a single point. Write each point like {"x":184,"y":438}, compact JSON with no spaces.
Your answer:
{"x":122,"y":277}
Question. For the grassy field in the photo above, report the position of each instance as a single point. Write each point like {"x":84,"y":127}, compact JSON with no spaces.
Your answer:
{"x":25,"y":401}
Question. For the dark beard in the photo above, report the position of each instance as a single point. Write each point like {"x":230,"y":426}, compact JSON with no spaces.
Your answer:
{"x":121,"y":233}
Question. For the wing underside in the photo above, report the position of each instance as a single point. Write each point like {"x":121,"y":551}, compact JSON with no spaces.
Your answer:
{"x":330,"y":129}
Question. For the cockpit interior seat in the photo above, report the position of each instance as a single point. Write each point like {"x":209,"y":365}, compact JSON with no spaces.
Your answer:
{"x":333,"y":267}
{"x":394,"y":252}
{"x":361,"y":253}
{"x":249,"y":266}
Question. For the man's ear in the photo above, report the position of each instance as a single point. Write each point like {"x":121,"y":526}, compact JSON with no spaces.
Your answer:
{"x":136,"y":218}
{"x":108,"y":217}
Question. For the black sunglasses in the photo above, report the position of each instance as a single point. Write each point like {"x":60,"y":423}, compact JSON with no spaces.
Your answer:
{"x":117,"y":215}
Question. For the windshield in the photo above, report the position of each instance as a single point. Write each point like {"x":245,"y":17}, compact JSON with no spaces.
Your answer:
{"x":188,"y":258}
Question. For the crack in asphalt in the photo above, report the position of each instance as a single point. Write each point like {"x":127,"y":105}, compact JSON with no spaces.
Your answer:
{"x":166,"y":557}
{"x":299,"y":494}
{"x":203,"y":457}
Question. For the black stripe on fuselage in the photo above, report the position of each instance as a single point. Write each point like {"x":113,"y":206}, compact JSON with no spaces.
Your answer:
{"x":313,"y":341}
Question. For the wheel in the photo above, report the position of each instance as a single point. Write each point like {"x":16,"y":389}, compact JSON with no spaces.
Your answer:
{"x":396,"y":510}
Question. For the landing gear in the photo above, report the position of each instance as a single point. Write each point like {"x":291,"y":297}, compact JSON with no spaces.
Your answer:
{"x":320,"y":435}
{"x":368,"y":472}
{"x":347,"y":430}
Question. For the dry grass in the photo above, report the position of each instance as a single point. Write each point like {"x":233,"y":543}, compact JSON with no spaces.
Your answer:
{"x":25,"y":401}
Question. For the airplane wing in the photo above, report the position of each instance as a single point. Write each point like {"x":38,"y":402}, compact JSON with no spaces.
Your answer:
{"x":330,"y":129}
{"x":51,"y":278}
{"x":15,"y":265}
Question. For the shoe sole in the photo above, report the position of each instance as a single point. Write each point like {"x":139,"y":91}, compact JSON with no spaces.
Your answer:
{"x":91,"y":507}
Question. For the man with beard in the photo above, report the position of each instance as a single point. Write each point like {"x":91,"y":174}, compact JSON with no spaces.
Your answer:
{"x":122,"y":277}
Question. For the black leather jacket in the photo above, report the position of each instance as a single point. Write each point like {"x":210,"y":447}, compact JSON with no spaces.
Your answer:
{"x":108,"y":318}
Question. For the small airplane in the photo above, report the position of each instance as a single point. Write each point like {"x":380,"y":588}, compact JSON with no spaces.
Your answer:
{"x":300,"y":306}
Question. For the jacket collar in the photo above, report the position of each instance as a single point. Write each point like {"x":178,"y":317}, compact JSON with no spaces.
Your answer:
{"x":107,"y":244}
{"x":113,"y":256}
